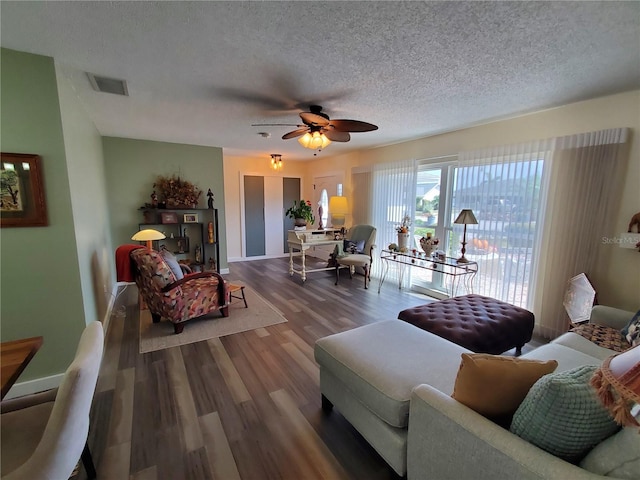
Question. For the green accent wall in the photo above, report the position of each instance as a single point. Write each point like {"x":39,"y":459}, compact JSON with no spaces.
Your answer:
{"x":40,"y":289}
{"x":131,"y":167}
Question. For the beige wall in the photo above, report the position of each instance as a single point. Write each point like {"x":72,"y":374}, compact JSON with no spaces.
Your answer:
{"x":617,"y":278}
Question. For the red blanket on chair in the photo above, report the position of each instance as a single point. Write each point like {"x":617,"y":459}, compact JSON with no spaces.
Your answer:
{"x":124,"y":268}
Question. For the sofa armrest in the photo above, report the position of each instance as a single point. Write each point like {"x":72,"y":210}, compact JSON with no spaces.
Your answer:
{"x":448,"y":440}
{"x":610,"y":316}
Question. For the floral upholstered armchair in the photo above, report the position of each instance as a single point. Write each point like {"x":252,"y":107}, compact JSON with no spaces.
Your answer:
{"x":180,"y":300}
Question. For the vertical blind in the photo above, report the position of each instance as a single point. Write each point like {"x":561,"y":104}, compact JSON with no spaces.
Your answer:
{"x":394,"y":193}
{"x":502,"y":186}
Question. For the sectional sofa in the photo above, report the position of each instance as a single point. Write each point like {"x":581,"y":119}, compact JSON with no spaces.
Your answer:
{"x":393,"y":382}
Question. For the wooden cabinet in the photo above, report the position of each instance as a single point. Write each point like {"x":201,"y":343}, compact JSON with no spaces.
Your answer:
{"x":191,"y":234}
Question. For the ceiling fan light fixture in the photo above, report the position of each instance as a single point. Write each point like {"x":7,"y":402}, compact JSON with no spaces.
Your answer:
{"x":314,"y":141}
{"x":276,"y":161}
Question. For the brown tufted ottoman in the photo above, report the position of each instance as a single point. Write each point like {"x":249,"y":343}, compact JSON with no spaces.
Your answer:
{"x":481,"y":324}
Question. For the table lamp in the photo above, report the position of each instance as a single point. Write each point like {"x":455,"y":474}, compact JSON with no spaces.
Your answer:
{"x":466,"y":217}
{"x":617,"y":384}
{"x":148,"y":235}
{"x":338,"y":207}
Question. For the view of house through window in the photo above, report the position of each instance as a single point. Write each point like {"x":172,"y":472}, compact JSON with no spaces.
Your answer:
{"x":504,"y":195}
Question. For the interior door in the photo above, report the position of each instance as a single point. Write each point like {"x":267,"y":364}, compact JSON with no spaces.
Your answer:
{"x":266,"y":198}
{"x":254,"y":216}
{"x":290,"y":193}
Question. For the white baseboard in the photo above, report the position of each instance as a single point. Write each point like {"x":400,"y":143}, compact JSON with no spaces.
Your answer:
{"x":34,"y":386}
{"x":258,"y":257}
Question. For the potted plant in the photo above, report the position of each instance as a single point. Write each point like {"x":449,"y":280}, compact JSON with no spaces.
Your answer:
{"x":301,"y":213}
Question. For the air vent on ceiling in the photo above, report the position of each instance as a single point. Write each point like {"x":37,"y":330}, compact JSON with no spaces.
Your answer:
{"x":108,"y":85}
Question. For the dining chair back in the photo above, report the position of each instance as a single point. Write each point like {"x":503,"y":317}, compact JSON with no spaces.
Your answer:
{"x":44,"y":435}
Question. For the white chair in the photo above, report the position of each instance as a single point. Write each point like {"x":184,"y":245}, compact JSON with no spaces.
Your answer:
{"x":365,"y":234}
{"x":44,"y":435}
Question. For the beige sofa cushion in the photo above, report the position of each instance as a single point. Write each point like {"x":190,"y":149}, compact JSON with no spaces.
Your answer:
{"x":581,"y":344}
{"x":567,"y":357}
{"x":381,"y":363}
{"x":618,"y":456}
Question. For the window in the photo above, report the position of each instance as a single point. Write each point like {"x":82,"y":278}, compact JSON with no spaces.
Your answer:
{"x":504,"y":195}
{"x":324,"y":203}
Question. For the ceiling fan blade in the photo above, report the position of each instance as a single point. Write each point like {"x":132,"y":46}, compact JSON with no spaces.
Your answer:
{"x":313,"y":119}
{"x":352,"y":125}
{"x":295,"y":133}
{"x":276,"y":125}
{"x":336,"y":136}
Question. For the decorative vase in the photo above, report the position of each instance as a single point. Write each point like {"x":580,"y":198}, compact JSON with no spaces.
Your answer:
{"x":428,"y":249}
{"x":300,"y":222}
{"x":403,"y":240}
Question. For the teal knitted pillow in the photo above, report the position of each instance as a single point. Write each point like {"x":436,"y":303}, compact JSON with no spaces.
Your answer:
{"x":562,"y":415}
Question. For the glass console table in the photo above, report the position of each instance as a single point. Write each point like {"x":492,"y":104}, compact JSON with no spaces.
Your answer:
{"x":456,"y":273}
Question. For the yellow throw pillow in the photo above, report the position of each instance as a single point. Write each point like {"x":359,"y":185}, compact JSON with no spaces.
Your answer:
{"x":495,"y":386}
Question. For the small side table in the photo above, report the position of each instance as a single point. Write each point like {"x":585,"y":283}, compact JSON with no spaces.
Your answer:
{"x":234,"y":288}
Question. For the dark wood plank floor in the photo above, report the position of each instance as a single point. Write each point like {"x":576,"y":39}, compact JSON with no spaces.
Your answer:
{"x":245,"y":406}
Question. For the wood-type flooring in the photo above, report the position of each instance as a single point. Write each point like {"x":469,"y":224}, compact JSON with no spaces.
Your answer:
{"x":244,"y":406}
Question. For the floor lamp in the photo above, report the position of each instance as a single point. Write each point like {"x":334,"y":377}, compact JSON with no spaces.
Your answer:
{"x":465,"y":218}
{"x":148,"y":235}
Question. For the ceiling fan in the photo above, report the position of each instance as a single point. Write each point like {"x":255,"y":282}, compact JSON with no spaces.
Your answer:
{"x":318,"y":130}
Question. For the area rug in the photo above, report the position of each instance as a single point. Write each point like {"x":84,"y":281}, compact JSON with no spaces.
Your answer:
{"x":260,"y":313}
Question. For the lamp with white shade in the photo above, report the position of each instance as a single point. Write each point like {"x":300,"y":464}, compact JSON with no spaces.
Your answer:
{"x":466,"y":217}
{"x":148,"y":235}
{"x":338,"y":208}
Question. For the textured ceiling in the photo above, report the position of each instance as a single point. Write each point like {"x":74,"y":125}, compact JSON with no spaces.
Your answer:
{"x":203,"y":72}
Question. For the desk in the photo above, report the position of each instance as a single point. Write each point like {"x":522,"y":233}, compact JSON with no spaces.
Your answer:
{"x":456,"y":272}
{"x":303,"y":240}
{"x":14,"y":357}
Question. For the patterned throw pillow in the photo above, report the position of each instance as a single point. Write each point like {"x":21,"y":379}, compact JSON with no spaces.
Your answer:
{"x":632,"y":330}
{"x":353,"y":247}
{"x":562,"y":415}
{"x":606,"y":337}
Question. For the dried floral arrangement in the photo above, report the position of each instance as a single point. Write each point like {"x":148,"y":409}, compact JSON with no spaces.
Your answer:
{"x":177,"y":193}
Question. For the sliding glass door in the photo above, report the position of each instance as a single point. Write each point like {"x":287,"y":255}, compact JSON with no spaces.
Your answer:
{"x":430,"y":219}
{"x":504,"y":194}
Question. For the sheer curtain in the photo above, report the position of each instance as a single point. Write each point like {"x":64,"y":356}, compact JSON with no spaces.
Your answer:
{"x":394,"y":196}
{"x":583,"y":176}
